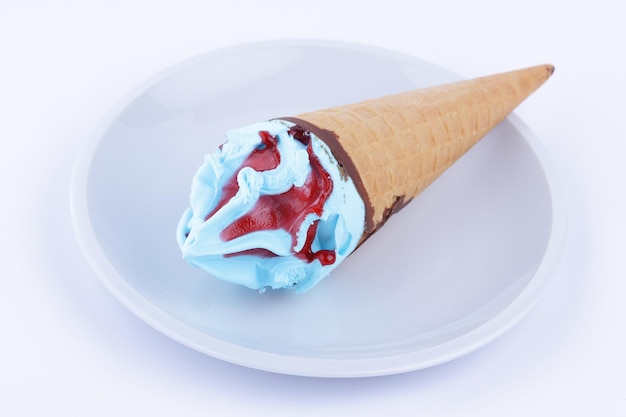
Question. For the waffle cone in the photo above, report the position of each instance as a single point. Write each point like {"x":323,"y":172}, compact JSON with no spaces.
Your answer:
{"x":395,"y":146}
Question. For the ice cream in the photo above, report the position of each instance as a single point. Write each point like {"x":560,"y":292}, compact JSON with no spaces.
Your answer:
{"x":271,"y":208}
{"x":282,"y":203}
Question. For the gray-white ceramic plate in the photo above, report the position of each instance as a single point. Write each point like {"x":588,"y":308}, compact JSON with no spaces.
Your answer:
{"x":451,"y":272}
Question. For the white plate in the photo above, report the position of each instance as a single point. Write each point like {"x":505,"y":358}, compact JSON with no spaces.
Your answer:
{"x":451,"y":272}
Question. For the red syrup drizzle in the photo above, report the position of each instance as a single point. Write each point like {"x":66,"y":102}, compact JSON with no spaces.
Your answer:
{"x":284,"y":211}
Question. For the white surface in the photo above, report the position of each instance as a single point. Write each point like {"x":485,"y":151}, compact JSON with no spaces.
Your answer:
{"x":463,"y":263}
{"x":69,"y":348}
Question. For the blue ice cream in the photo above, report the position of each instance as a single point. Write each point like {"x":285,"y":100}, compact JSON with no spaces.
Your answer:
{"x":271,"y":208}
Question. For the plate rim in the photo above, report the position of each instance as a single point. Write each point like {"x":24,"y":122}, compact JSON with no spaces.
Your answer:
{"x":300,"y":365}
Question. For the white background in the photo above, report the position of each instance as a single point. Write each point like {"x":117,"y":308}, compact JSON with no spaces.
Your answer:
{"x":69,"y":348}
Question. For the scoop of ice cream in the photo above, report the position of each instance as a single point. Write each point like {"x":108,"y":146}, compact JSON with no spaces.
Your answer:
{"x":271,"y":208}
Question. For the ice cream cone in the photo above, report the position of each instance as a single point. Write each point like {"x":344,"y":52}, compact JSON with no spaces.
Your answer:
{"x":395,"y":146}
